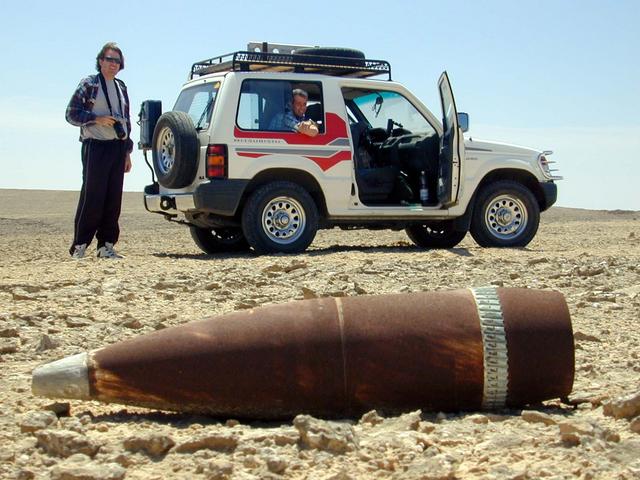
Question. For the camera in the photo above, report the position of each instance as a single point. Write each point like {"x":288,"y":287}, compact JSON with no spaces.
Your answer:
{"x":120,"y":133}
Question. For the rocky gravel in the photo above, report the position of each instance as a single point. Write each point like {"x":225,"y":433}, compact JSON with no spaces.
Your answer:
{"x":52,"y":307}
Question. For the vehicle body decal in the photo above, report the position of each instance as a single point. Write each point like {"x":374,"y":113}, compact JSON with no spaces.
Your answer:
{"x":336,"y":129}
{"x":291,"y":151}
{"x":334,"y":136}
{"x":324,"y":162}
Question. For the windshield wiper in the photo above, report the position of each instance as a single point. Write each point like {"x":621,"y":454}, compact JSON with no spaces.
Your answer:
{"x":205,"y":113}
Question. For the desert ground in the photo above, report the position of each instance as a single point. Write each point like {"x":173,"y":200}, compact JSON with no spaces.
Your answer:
{"x":52,"y":307}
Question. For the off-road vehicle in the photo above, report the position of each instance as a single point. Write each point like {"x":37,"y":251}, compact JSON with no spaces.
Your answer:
{"x":382,"y":160}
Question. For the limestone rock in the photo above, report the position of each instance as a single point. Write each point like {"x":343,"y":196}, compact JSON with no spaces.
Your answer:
{"x":308,"y":293}
{"x":341,"y":475}
{"x":371,"y":418}
{"x":47,"y":343}
{"x":623,"y":407}
{"x":219,"y":470}
{"x":64,"y":443}
{"x":77,"y":322}
{"x":584,"y":337}
{"x":635,"y":425}
{"x":626,"y":453}
{"x":79,"y":467}
{"x":9,"y":345}
{"x":9,"y":332}
{"x":503,"y":441}
{"x":23,"y":294}
{"x":209,"y":441}
{"x":478,"y":418}
{"x":280,"y":437}
{"x":34,"y":421}
{"x":438,"y":467}
{"x":72,"y":423}
{"x":276,"y":464}
{"x":153,"y":444}
{"x":571,"y":432}
{"x":407,"y":421}
{"x":533,"y":416}
{"x":332,"y":437}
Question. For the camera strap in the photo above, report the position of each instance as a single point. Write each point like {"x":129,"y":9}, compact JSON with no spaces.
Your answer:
{"x":103,"y":83}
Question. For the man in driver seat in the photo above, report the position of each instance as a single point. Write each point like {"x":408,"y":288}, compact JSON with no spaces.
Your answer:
{"x":293,"y":119}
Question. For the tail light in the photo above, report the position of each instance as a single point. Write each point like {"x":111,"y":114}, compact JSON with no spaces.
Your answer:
{"x":217,"y":161}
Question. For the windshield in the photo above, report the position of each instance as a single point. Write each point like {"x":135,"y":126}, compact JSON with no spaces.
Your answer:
{"x":198,"y":103}
{"x":378,"y":107}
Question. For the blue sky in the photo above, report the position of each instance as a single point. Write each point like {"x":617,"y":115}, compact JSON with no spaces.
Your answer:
{"x":557,"y":75}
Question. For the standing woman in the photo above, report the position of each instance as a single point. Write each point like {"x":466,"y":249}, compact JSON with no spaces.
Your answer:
{"x":100,"y":107}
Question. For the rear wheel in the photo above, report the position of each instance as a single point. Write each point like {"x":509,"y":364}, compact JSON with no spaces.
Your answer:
{"x":219,"y":240}
{"x":280,"y":217}
{"x":435,"y":235}
{"x":506,"y":214}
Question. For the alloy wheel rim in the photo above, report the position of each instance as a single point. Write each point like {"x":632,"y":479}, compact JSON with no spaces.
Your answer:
{"x":166,"y":151}
{"x":506,"y":217}
{"x":283,"y":220}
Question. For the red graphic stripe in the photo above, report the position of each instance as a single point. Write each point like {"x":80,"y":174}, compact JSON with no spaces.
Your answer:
{"x":325,"y":163}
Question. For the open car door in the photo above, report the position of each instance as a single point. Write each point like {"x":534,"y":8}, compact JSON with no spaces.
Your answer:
{"x":451,"y":147}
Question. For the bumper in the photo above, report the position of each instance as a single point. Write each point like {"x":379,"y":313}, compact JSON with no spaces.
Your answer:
{"x":549,"y":195}
{"x":220,"y":197}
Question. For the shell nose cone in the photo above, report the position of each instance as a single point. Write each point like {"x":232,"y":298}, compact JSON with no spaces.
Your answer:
{"x":65,"y":378}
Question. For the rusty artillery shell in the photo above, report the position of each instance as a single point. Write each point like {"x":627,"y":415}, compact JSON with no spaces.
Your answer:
{"x":482,"y":348}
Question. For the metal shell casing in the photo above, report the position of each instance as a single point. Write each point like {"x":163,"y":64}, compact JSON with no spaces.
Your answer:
{"x":340,"y":357}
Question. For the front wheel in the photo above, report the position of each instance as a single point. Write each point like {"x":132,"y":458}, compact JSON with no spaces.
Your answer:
{"x":219,"y":240}
{"x":280,"y":217}
{"x":506,"y":214}
{"x":435,"y":235}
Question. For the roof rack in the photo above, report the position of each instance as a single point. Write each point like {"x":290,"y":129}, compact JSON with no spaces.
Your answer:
{"x":281,"y":58}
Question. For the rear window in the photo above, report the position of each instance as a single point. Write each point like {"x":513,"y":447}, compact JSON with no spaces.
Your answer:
{"x":198,"y":103}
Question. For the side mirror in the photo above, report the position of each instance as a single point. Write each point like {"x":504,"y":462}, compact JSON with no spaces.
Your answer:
{"x":463,"y":121}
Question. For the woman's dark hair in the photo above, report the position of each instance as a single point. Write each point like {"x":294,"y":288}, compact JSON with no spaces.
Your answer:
{"x":109,"y":46}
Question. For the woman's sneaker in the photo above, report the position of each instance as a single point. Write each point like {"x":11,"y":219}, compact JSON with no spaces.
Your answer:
{"x":107,"y":251}
{"x":78,"y":251}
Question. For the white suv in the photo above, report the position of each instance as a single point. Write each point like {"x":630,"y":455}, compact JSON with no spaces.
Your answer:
{"x":382,"y":160}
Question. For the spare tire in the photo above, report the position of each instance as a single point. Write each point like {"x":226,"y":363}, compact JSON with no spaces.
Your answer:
{"x":331,"y":52}
{"x":175,"y":150}
{"x":327,"y":56}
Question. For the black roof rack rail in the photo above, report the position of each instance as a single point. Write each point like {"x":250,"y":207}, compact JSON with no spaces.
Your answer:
{"x":245,"y":61}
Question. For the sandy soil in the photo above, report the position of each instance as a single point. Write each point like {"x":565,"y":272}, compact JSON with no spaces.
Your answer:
{"x":51,"y":307}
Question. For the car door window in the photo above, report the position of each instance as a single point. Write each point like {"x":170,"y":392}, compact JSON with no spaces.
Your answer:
{"x":379,"y":107}
{"x":262,"y":102}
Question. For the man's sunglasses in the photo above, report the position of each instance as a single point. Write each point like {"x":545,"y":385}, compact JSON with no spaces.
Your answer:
{"x":115,"y":60}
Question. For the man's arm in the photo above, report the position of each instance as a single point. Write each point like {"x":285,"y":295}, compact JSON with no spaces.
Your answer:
{"x":76,"y":113}
{"x":127,"y":114}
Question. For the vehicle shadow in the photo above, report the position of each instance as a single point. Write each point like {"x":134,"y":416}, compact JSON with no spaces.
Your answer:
{"x":462,"y":252}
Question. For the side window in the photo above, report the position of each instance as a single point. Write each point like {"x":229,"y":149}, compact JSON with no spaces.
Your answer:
{"x":249,"y":111}
{"x":384,"y":109}
{"x":267,"y":105}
